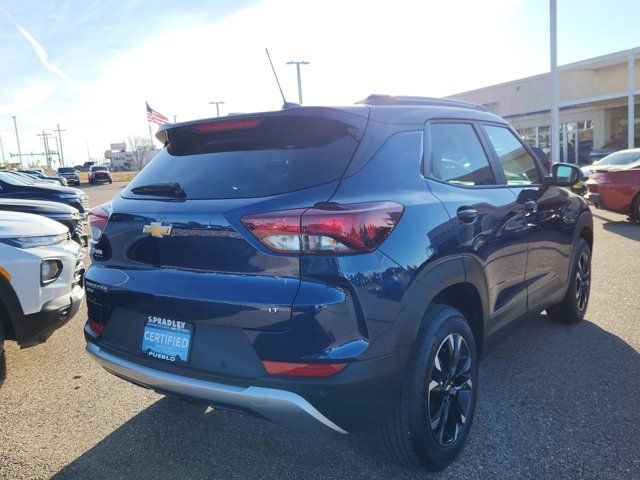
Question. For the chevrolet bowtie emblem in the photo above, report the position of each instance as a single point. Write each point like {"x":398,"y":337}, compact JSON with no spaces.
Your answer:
{"x":157,"y":229}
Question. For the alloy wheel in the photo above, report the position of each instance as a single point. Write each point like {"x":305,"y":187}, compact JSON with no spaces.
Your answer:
{"x":450,"y":389}
{"x":583,"y":279}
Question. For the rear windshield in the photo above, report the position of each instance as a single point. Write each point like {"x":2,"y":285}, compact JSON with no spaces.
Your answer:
{"x":66,"y":170}
{"x":619,"y":158}
{"x":271,"y":156}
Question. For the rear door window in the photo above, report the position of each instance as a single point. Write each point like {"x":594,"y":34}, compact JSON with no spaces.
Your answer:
{"x":252,"y":157}
{"x":518,"y":165}
{"x":457,"y":156}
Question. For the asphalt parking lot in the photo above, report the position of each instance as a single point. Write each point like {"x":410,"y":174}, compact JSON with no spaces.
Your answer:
{"x":555,"y":401}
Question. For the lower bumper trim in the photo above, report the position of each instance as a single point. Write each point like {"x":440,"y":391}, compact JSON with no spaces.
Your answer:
{"x":279,"y":405}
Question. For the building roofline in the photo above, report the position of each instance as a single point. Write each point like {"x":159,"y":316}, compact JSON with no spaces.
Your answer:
{"x":609,"y":59}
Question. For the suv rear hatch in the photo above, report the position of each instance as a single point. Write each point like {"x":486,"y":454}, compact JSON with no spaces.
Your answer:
{"x":175,"y":246}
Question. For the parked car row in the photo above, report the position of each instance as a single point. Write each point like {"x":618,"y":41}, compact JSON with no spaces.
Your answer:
{"x":97,"y":174}
{"x":43,"y":240}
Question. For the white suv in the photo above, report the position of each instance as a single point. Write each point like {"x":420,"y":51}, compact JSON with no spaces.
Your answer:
{"x":41,"y":277}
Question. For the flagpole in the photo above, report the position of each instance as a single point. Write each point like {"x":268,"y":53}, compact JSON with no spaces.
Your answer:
{"x":150,"y":134}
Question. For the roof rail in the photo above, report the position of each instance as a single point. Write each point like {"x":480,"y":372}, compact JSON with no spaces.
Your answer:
{"x":376,"y":99}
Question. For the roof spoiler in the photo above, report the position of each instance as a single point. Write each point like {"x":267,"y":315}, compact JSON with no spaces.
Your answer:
{"x":351,"y":115}
{"x":377,"y":99}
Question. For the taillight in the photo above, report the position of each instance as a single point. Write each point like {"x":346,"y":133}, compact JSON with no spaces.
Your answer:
{"x":98,"y":218}
{"x":302,"y":369}
{"x":351,"y":228}
{"x":95,"y":327}
{"x":600,"y":177}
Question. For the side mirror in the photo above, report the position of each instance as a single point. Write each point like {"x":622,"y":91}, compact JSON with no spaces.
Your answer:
{"x":565,"y":175}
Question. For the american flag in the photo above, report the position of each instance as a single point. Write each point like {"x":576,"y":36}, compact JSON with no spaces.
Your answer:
{"x":155,"y":117}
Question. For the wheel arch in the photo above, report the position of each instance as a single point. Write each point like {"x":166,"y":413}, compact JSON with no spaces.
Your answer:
{"x":584,"y":229}
{"x":455,"y":281}
{"x":10,"y":309}
{"x":634,"y":199}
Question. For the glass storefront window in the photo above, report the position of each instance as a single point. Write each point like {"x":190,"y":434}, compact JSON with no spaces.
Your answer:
{"x":580,"y":133}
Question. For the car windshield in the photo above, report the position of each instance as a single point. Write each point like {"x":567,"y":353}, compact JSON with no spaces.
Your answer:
{"x":66,"y":170}
{"x":99,"y":169}
{"x":619,"y":158}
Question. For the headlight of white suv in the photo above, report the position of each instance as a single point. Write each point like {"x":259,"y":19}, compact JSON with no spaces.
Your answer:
{"x":32,"y":242}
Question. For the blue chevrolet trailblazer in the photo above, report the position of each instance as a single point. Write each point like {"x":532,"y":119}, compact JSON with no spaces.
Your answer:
{"x":339,"y":268}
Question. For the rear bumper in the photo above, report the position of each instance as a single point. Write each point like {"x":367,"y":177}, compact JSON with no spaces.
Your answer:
{"x":279,"y":405}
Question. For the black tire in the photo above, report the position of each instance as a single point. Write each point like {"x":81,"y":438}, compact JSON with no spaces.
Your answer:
{"x":1,"y":339}
{"x":574,"y":305}
{"x":415,"y":435}
{"x":110,"y":181}
{"x":635,"y":208}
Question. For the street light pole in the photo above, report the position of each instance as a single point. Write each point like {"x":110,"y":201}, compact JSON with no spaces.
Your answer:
{"x":555,"y":97}
{"x":297,"y":63}
{"x":217,"y":104}
{"x":15,"y":125}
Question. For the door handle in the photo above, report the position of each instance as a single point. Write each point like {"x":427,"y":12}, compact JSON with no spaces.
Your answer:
{"x":530,"y":206}
{"x":467,"y":214}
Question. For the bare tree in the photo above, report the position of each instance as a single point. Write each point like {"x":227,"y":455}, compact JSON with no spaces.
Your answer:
{"x":139,"y":146}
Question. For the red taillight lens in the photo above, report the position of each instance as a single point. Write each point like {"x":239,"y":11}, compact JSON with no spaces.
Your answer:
{"x":95,"y":327}
{"x":98,"y":218}
{"x":352,"y":228}
{"x":224,"y":125}
{"x":600,"y":178}
{"x":302,"y":369}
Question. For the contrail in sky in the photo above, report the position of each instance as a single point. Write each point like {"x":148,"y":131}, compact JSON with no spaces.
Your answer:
{"x":42,"y":54}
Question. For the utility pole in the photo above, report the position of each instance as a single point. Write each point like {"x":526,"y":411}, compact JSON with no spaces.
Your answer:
{"x":57,"y":152}
{"x":2,"y":149}
{"x":60,"y":152}
{"x":175,"y":119}
{"x":555,"y":96}
{"x":217,"y":104}
{"x":15,"y":125}
{"x":297,"y":63}
{"x":44,"y":136}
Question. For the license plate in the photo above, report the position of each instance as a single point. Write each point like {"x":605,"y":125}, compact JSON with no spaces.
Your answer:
{"x":167,"y":339}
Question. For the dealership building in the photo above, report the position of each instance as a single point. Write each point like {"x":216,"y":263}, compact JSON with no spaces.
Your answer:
{"x":596,"y":104}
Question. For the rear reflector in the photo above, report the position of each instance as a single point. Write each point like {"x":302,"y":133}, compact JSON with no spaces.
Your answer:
{"x":351,"y":228}
{"x":224,"y":125}
{"x":302,"y":369}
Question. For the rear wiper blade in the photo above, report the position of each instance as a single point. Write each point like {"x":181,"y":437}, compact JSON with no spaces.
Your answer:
{"x":161,"y":189}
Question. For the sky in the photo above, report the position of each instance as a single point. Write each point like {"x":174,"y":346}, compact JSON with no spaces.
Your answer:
{"x":90,"y":66}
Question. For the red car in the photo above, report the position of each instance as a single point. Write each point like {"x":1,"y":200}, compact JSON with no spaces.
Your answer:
{"x":616,"y":188}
